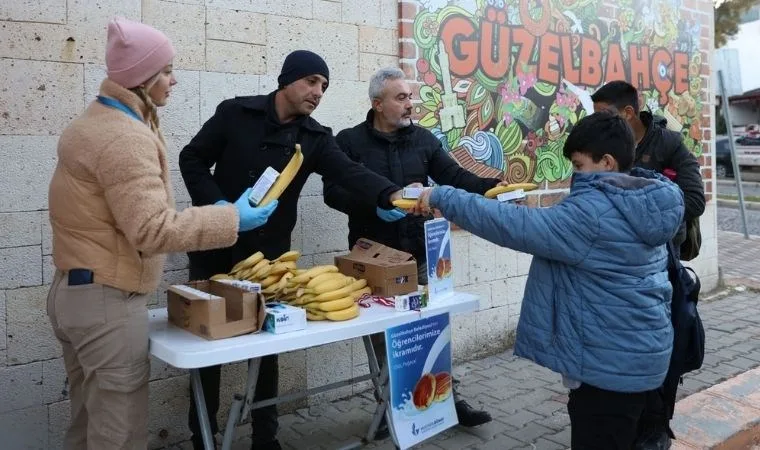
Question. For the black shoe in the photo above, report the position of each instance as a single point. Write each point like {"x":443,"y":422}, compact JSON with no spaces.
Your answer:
{"x":653,"y":440}
{"x":382,"y":432}
{"x":469,"y":416}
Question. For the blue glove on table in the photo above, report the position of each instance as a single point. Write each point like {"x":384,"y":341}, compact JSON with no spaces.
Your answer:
{"x":390,"y":215}
{"x":252,"y":217}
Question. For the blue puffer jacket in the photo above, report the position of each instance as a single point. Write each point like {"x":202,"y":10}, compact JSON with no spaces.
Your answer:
{"x":597,"y":300}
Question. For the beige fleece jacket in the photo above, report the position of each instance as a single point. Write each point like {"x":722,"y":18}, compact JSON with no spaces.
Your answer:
{"x":111,"y":203}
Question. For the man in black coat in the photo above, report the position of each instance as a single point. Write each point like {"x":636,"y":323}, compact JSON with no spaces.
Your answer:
{"x":661,"y":150}
{"x":389,"y":144}
{"x":244,"y":137}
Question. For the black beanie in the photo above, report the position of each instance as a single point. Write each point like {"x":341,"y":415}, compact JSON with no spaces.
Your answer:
{"x":302,"y":63}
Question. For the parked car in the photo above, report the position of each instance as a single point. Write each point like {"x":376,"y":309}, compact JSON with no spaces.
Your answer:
{"x":723,"y":165}
{"x":748,"y":141}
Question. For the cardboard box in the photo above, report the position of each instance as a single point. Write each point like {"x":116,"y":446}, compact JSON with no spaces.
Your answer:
{"x":388,"y":271}
{"x":215,"y":310}
{"x":283,"y":318}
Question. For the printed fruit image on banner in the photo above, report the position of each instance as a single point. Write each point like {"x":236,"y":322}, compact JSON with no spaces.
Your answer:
{"x":424,"y":392}
{"x":504,"y":81}
{"x":443,"y":268}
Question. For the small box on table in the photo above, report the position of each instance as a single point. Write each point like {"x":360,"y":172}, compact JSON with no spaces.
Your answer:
{"x":283,"y":318}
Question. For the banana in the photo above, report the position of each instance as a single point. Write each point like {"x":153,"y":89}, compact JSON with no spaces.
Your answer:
{"x":313,"y":272}
{"x":332,"y":285}
{"x":340,"y":292}
{"x":323,"y":278}
{"x":263,"y":270}
{"x":248,"y":262}
{"x":493,"y":192}
{"x":303,"y":300}
{"x":356,"y":295}
{"x":344,"y":314}
{"x":405,"y":203}
{"x":291,"y":255}
{"x":270,"y":280}
{"x":314,"y":315}
{"x":243,"y":274}
{"x":221,"y":276}
{"x":279,"y":268}
{"x":335,"y":305}
{"x":276,"y":287}
{"x":286,"y":176}
{"x":284,"y":280}
{"x":258,"y":266}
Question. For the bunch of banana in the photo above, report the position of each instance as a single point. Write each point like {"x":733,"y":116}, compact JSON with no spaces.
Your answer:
{"x":272,"y":275}
{"x":325,"y":293}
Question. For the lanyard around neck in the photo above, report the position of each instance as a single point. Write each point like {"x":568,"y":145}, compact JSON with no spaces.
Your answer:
{"x":120,"y":106}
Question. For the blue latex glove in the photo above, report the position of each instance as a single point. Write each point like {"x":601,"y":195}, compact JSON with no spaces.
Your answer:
{"x":222,"y":203}
{"x":390,"y":215}
{"x":252,"y":217}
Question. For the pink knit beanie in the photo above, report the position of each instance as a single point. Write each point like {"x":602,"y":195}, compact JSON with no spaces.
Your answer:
{"x":135,"y":52}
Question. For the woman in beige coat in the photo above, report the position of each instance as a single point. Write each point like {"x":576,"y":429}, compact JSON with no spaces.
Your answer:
{"x":113,"y":218}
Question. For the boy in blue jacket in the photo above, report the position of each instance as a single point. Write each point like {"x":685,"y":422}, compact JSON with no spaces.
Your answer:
{"x":596,"y":307}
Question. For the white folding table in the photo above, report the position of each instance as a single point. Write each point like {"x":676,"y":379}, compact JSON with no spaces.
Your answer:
{"x":185,"y":350}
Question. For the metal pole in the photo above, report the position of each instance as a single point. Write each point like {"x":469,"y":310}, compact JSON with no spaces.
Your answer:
{"x":731,"y":147}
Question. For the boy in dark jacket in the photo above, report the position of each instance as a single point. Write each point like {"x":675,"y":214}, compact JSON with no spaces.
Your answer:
{"x":596,"y":307}
{"x":244,"y":137}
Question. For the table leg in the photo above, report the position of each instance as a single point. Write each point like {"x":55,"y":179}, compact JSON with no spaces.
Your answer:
{"x":382,"y":390}
{"x":241,"y":405}
{"x":374,"y":366}
{"x":200,"y":407}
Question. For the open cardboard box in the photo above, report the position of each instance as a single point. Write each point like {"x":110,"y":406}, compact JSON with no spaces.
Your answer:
{"x":388,"y":271}
{"x":215,"y":310}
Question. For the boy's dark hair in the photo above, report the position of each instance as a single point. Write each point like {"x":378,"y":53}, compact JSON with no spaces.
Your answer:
{"x":602,"y":133}
{"x":619,"y":94}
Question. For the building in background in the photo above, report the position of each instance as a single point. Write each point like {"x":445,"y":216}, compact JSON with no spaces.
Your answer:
{"x":741,"y":72}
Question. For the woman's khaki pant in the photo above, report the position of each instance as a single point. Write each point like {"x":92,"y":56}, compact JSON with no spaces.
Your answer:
{"x":104,"y":335}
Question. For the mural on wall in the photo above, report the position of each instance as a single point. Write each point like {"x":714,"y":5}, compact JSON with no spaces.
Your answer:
{"x":504,"y":81}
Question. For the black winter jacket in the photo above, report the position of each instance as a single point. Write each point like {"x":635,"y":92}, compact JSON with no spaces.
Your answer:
{"x":411,"y":156}
{"x":242,"y":139}
{"x":662,"y":149}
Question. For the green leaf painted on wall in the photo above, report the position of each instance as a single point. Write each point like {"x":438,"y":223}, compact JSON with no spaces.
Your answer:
{"x":545,"y":89}
{"x":510,"y":136}
{"x":453,"y":136}
{"x":429,"y":120}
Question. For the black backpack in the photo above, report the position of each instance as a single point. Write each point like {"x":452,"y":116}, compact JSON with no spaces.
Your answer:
{"x":688,"y":331}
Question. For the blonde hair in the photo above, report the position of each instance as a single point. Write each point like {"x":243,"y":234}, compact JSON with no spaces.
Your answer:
{"x":152,"y":114}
